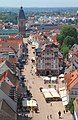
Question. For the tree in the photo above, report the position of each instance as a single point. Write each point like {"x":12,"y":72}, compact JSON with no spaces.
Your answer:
{"x":68,"y":31}
{"x":71,"y":106}
{"x":65,"y":49}
{"x":69,"y":41}
{"x":60,"y":38}
{"x":67,"y":38}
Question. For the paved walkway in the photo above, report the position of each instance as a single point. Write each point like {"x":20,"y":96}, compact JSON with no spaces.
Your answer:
{"x":45,"y":108}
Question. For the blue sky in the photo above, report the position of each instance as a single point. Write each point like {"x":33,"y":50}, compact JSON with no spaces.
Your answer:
{"x":39,"y":3}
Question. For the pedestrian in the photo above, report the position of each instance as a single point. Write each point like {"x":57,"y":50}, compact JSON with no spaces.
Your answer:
{"x":64,"y":111}
{"x":51,"y":104}
{"x":59,"y":113}
{"x":51,"y":116}
{"x":48,"y":117}
{"x":30,"y":87}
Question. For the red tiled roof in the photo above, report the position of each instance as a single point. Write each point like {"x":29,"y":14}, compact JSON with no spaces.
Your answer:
{"x":75,"y":53}
{"x":37,"y":36}
{"x":2,"y":78}
{"x":72,"y":83}
{"x":67,"y":77}
{"x":71,"y":79}
{"x":4,"y":45}
{"x":54,"y":39}
{"x":45,"y":33}
{"x":13,"y":60}
{"x":19,"y":41}
{"x":1,"y":25}
{"x":13,"y":35}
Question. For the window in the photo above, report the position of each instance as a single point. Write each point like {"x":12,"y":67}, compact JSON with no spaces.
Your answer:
{"x":39,"y":61}
{"x":56,"y":66}
{"x":72,"y":92}
{"x":56,"y":60}
{"x":47,"y":53}
{"x":47,"y":58}
{"x":48,"y":63}
{"x":75,"y":92}
{"x":52,"y":66}
{"x":11,"y":56}
{"x":56,"y":53}
{"x":52,"y":61}
{"x":43,"y":61}
{"x":72,"y":98}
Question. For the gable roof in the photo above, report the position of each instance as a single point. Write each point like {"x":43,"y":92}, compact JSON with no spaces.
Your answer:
{"x":5,"y":87}
{"x":7,"y":65}
{"x":13,"y":80}
{"x":10,"y":65}
{"x":10,"y":102}
{"x":5,"y":107}
{"x":71,"y":79}
{"x":5,"y":46}
{"x":5,"y":116}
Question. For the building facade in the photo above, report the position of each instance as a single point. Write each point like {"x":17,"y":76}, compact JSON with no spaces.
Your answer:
{"x":47,"y":60}
{"x":73,"y":93}
{"x":71,"y":80}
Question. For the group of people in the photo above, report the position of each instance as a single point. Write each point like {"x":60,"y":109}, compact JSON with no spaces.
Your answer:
{"x":49,"y":116}
{"x":59,"y":114}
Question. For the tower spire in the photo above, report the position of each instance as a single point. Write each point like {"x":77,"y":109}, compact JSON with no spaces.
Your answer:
{"x":21,"y":22}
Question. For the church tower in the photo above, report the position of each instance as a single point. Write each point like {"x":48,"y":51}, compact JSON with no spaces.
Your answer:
{"x":21,"y":22}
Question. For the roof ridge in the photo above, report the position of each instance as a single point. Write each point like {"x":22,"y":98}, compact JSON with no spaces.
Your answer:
{"x":72,"y":81}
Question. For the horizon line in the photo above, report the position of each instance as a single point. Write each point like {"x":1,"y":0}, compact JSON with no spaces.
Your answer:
{"x":39,"y":6}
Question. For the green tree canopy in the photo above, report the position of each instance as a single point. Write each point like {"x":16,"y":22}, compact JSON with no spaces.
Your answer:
{"x":67,"y":38}
{"x":69,"y":41}
{"x":65,"y":49}
{"x":68,"y":31}
{"x":71,"y":106}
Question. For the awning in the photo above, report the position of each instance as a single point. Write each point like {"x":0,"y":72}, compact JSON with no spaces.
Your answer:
{"x":64,"y":100}
{"x":53,"y":78}
{"x":29,"y":103}
{"x":61,"y":75}
{"x":46,"y":78}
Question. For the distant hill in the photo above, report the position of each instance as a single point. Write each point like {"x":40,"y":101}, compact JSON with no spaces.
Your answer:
{"x":35,"y":10}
